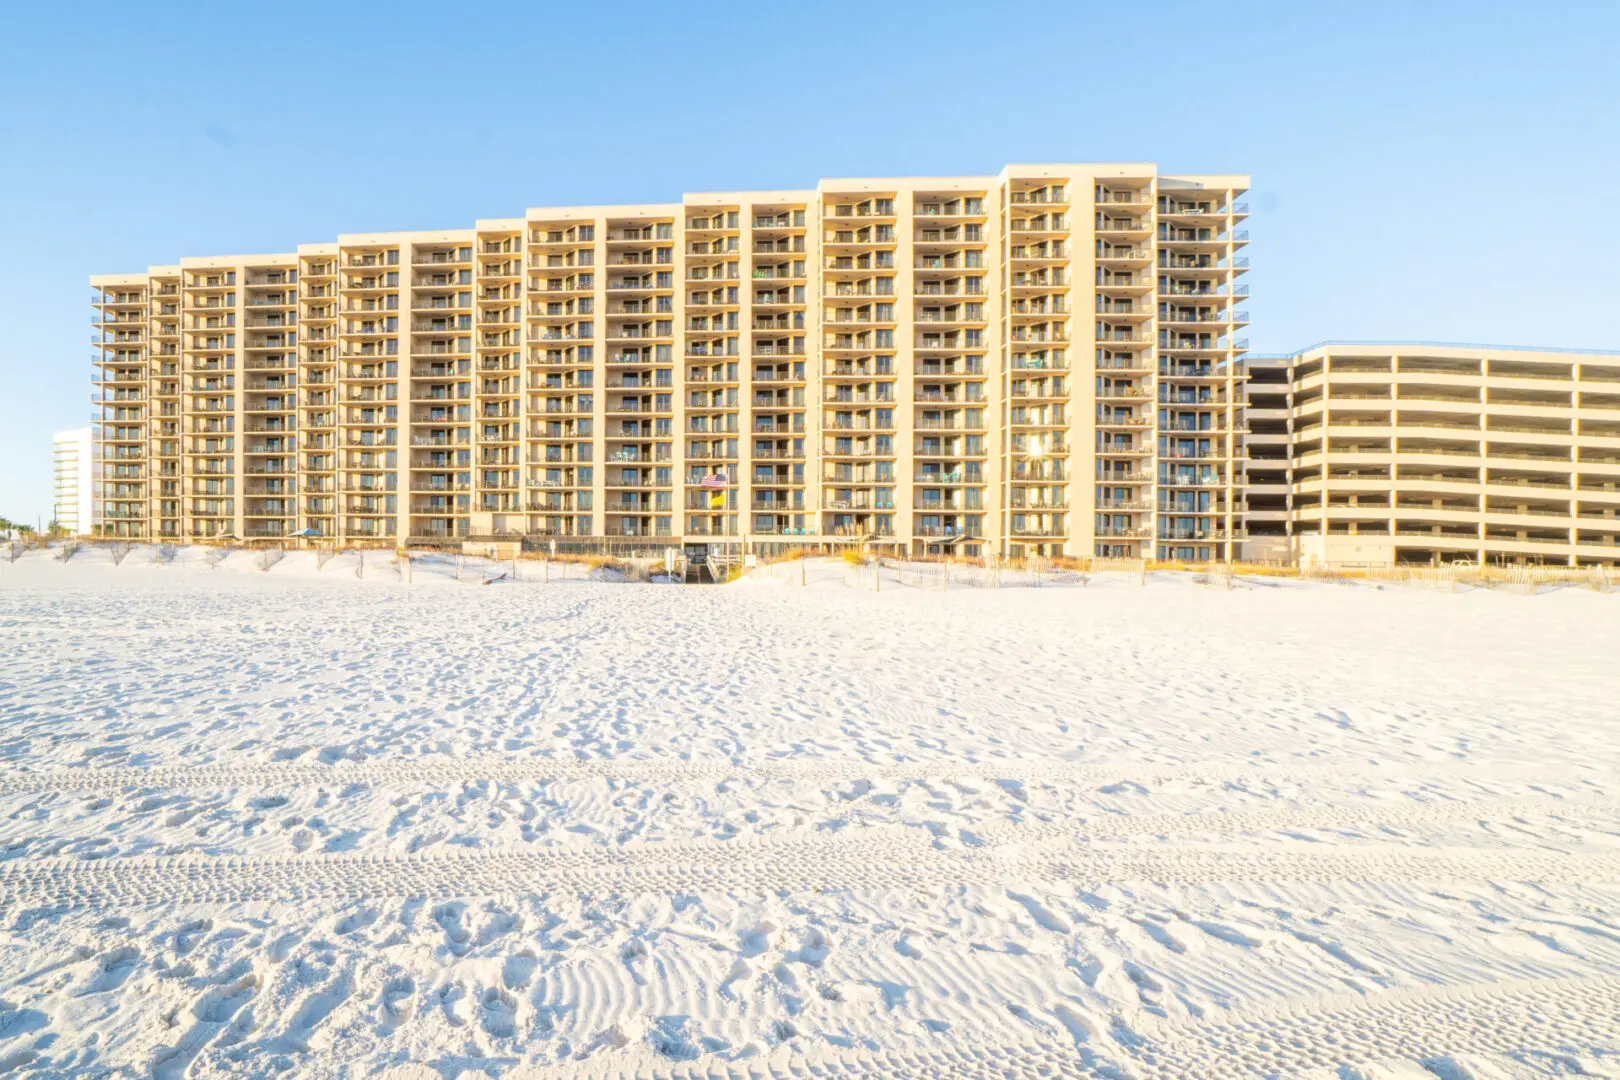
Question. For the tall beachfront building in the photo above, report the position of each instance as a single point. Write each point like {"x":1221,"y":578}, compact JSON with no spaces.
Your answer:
{"x":904,"y":362}
{"x":1376,"y":453}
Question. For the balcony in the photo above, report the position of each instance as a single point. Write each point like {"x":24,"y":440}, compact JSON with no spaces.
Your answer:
{"x":1124,"y":197}
{"x":1049,"y":196}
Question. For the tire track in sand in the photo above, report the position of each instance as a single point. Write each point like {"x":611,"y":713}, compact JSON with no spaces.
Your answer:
{"x":889,"y":857}
{"x":440,"y":772}
{"x":1354,"y":818}
{"x":1363,"y":816}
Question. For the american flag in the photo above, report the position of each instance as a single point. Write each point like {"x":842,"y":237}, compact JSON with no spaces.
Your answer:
{"x":715,"y":481}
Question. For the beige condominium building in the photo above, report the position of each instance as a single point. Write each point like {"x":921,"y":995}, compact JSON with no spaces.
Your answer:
{"x":1044,"y":361}
{"x":1381,"y":453}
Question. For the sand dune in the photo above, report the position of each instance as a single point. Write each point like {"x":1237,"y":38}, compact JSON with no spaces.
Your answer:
{"x":343,"y":817}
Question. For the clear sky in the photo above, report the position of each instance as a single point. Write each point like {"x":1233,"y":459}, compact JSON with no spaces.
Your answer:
{"x":1421,"y":170}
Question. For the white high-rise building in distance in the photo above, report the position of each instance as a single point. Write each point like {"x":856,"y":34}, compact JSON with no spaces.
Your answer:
{"x":71,"y":462}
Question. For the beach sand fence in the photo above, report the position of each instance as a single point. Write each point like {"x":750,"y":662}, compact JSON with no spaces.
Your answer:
{"x":944,"y":574}
{"x":875,"y":572}
{"x":1528,"y":580}
{"x":864,"y":571}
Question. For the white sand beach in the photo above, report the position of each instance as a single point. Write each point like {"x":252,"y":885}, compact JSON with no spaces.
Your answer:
{"x":312,"y":822}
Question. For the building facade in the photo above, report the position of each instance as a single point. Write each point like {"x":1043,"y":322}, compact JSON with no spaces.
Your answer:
{"x":908,"y":363}
{"x":1383,"y":453}
{"x":73,"y":472}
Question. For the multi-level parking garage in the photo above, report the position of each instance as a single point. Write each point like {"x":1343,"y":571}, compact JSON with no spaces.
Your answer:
{"x":1418,"y":453}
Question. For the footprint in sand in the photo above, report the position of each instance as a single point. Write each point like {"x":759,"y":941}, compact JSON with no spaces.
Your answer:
{"x":113,"y":968}
{"x":497,"y":1013}
{"x":518,"y":970}
{"x":398,"y":1000}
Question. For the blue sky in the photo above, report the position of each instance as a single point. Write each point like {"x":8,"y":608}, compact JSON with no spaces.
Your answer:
{"x":1421,"y":170}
